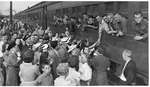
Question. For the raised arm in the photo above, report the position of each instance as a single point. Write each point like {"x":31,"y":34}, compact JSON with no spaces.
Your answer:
{"x":98,"y":40}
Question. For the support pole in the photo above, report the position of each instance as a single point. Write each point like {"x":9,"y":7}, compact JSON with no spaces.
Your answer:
{"x":11,"y":21}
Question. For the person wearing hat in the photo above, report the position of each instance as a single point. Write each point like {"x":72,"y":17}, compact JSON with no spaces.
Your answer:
{"x":62,"y":71}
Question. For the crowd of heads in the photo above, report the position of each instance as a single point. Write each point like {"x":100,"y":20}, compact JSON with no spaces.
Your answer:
{"x":32,"y":44}
{"x":43,"y":48}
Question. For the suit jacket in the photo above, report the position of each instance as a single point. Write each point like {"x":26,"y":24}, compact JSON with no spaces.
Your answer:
{"x":99,"y":65}
{"x":130,"y":74}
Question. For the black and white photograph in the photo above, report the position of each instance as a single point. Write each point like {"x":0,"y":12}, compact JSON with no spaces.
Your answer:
{"x":74,"y":43}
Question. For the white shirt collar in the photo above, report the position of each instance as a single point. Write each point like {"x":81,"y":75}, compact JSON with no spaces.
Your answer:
{"x":27,"y":63}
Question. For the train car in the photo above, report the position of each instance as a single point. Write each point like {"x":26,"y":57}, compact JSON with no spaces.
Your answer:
{"x":43,"y":12}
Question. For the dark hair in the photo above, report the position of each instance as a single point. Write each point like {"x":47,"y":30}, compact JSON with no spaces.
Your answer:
{"x":46,"y":37}
{"x":28,"y":56}
{"x":61,"y":36}
{"x":54,"y":44}
{"x":121,"y":14}
{"x":84,"y":13}
{"x":90,"y":16}
{"x":73,"y":61}
{"x":11,"y":45}
{"x":104,"y":15}
{"x":42,"y":65}
{"x":138,"y":12}
{"x":44,"y":57}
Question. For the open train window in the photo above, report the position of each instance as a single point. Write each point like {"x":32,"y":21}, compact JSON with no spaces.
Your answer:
{"x":109,"y":6}
{"x":65,"y":11}
{"x":92,"y":9}
{"x":86,"y":8}
{"x":144,"y":9}
{"x":61,"y":12}
{"x":122,"y":6}
{"x":78,"y":10}
{"x":56,"y":11}
{"x":144,"y":5}
{"x":69,"y":11}
{"x":73,"y":10}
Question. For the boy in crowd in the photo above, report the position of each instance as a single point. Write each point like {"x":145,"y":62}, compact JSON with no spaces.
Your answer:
{"x":62,"y":71}
{"x":85,"y":70}
{"x":47,"y":80}
{"x":73,"y":75}
{"x":27,"y":79}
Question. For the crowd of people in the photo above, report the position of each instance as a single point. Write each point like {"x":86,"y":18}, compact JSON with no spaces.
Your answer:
{"x":115,"y":24}
{"x":32,"y":56}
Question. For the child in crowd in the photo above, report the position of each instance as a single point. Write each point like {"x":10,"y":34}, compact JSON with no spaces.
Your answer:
{"x":73,"y":75}
{"x":62,"y":71}
{"x":47,"y":80}
{"x":85,"y":70}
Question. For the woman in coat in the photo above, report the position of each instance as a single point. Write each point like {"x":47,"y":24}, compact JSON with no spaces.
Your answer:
{"x":12,"y":68}
{"x":99,"y":64}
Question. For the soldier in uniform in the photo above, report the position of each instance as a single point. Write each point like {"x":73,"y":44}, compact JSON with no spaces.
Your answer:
{"x":140,"y":25}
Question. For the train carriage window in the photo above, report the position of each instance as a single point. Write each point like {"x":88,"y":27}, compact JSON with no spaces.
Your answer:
{"x":61,"y":12}
{"x":92,"y":9}
{"x":86,"y":8}
{"x":57,"y":12}
{"x":78,"y":10}
{"x":73,"y":10}
{"x":144,"y":5}
{"x":97,"y":9}
{"x":122,"y":6}
{"x":89,"y":10}
{"x":69,"y":11}
{"x":83,"y":9}
{"x":144,"y":9}
{"x":65,"y":11}
{"x":109,"y":6}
